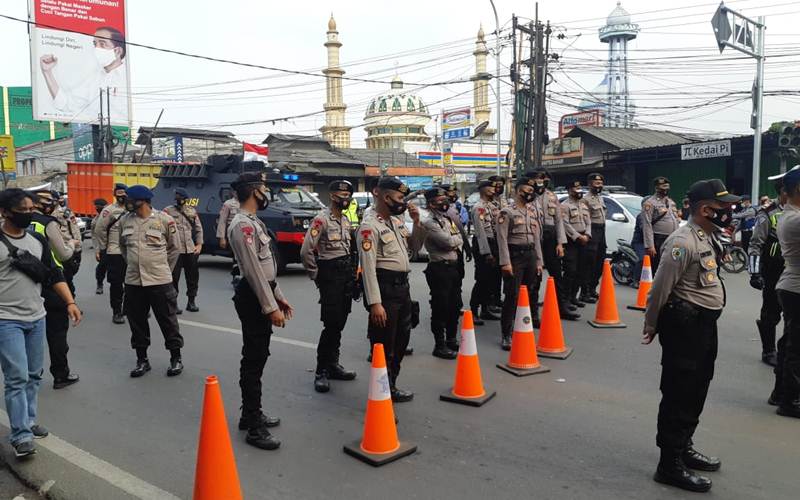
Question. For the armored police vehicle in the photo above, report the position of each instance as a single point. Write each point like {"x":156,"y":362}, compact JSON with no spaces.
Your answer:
{"x":287,"y":217}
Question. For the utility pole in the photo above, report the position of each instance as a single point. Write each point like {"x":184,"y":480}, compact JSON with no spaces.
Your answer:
{"x":109,"y":131}
{"x":497,"y":79}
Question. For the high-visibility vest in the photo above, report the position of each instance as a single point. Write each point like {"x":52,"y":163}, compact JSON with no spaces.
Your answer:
{"x":40,"y":228}
{"x":352,"y":212}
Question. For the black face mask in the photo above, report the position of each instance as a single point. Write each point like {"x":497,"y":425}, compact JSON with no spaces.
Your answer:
{"x":396,"y":208}
{"x":539,"y":188}
{"x":498,"y":189}
{"x":442,"y":207}
{"x":99,"y":209}
{"x":546,"y":183}
{"x":578,"y":196}
{"x":263,"y":203}
{"x":132,"y":206}
{"x":663,"y":192}
{"x":453,"y":198}
{"x":180,"y":202}
{"x":121,"y":199}
{"x":20,"y":220}
{"x":722,"y":217}
{"x":527,"y":197}
{"x":342,"y":203}
{"x":597,"y":189}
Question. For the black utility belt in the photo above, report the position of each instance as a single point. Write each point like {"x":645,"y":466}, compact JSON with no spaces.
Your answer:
{"x":343,"y":261}
{"x":392,"y":277}
{"x":598,"y":225}
{"x":548,"y":229}
{"x":518,"y":249}
{"x":691,"y":310}
{"x":444,"y":263}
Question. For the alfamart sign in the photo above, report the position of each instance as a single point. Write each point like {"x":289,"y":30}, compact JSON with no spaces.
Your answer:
{"x":702,"y":150}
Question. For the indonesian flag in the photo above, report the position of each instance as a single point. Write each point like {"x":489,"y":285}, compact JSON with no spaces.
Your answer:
{"x":254,"y":152}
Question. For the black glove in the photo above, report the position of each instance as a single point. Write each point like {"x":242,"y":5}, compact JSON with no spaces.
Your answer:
{"x":756,"y":281}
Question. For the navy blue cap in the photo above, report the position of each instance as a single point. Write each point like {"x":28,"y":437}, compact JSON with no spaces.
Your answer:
{"x":181,"y":192}
{"x":435,"y":192}
{"x":120,"y":185}
{"x":341,"y":186}
{"x":139,"y":192}
{"x":791,"y":180}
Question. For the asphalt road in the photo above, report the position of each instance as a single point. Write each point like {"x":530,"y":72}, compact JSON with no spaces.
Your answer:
{"x":584,"y":430}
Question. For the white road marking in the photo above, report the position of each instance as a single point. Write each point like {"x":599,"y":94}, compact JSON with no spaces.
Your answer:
{"x":98,"y":467}
{"x":275,"y":338}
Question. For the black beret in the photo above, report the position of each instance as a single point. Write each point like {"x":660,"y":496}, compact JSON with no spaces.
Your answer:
{"x":595,"y":177}
{"x":119,"y":186}
{"x":524,"y":181}
{"x":341,"y":186}
{"x":660,"y":180}
{"x":434,"y":192}
{"x":486,"y":183}
{"x":392,"y":183}
{"x":574,"y":184}
{"x":497,"y":178}
{"x":248,"y":178}
{"x":100,"y":202}
{"x":181,"y":192}
{"x":714,"y":189}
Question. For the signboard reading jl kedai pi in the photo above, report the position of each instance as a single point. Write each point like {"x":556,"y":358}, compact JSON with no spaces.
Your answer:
{"x":698,"y":151}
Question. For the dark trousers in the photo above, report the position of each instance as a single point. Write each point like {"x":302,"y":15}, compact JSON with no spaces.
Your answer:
{"x":746,"y":235}
{"x":396,"y":301}
{"x":688,"y":337}
{"x":335,"y":282}
{"x":770,"y":316}
{"x":638,"y":247}
{"x":597,"y":248}
{"x":163,"y":300}
{"x":71,"y":268}
{"x":523,"y":262}
{"x":552,"y":262}
{"x":787,"y":373}
{"x":577,"y":265}
{"x":256,"y":334}
{"x":444,"y":282}
{"x":100,"y":270}
{"x":658,"y":241}
{"x":116,"y":280}
{"x":191,"y":270}
{"x":486,"y":291}
{"x":56,"y":327}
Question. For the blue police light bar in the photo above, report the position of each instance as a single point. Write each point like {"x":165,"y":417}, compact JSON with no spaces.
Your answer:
{"x":291,"y":177}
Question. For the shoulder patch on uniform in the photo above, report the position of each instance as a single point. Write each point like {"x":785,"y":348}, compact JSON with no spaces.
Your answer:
{"x":247,"y":231}
{"x":648,"y":206}
{"x":314,"y":231}
{"x":481,"y":210}
{"x":366,"y":233}
{"x":366,"y":245}
{"x":317,"y":223}
{"x":677,"y":253}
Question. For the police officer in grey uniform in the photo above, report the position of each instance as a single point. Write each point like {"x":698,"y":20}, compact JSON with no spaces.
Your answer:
{"x":101,"y":268}
{"x":659,"y":221}
{"x":597,"y":244}
{"x":519,"y":242}
{"x":106,"y":232}
{"x":578,"y":228}
{"x":444,"y":273}
{"x":259,"y":302}
{"x":499,"y":201}
{"x":484,"y":248}
{"x":683,"y":307}
{"x":190,"y":243}
{"x":454,"y":215}
{"x":383,"y":251}
{"x":227,"y":212}
{"x":149,"y":245}
{"x":327,"y":256}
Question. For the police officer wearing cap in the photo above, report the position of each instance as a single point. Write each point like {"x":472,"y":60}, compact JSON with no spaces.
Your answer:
{"x":765,"y":267}
{"x":190,"y":244}
{"x":149,"y":244}
{"x":106,"y":233}
{"x":578,"y":228}
{"x":519,"y":243}
{"x":597,"y":244}
{"x":69,"y":230}
{"x":683,"y":307}
{"x":227,"y":212}
{"x":260,"y":304}
{"x":659,"y":221}
{"x":444,"y":273}
{"x":382,"y":240}
{"x":500,"y":199}
{"x":455,"y":215}
{"x":786,"y":394}
{"x":101,"y":268}
{"x":484,"y":248}
{"x":327,"y":256}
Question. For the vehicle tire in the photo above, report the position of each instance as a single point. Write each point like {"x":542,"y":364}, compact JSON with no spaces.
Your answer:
{"x":738,"y":261}
{"x":622,"y":271}
{"x":280,"y":259}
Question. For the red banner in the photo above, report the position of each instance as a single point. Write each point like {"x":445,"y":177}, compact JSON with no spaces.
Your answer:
{"x":82,"y":16}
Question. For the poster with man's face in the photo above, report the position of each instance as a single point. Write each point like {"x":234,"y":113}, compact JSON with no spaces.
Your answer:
{"x":78,"y":49}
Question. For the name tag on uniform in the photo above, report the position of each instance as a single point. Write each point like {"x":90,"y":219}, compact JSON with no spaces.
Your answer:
{"x":518,"y":219}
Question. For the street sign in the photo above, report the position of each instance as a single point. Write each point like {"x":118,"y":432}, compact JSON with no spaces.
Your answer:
{"x":721,"y":25}
{"x":702,"y":150}
{"x":7,"y":153}
{"x":456,"y":124}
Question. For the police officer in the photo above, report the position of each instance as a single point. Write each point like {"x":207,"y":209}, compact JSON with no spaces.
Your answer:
{"x":149,"y":244}
{"x":766,"y":266}
{"x":101,"y":268}
{"x":578,"y":228}
{"x":786,"y":394}
{"x":500,"y":198}
{"x":227,"y":212}
{"x":659,"y":221}
{"x":259,"y":302}
{"x":444,"y":272}
{"x":190,"y":244}
{"x":57,"y":319}
{"x":484,"y":248}
{"x":683,"y":307}
{"x":597,"y":244}
{"x":746,"y":219}
{"x":106,"y":232}
{"x":499,"y":202}
{"x":327,"y":256}
{"x":553,"y":239}
{"x":69,"y":230}
{"x":383,"y":251}
{"x":454,"y":213}
{"x":519,"y":244}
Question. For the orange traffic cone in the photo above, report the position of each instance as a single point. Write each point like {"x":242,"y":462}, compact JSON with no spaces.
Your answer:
{"x":522,"y":359}
{"x":551,"y":336}
{"x":215,"y":476}
{"x":379,"y":445}
{"x":606,"y":314}
{"x":645,"y":284}
{"x":468,"y":387}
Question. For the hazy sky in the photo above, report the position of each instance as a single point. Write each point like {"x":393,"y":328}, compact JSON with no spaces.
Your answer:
{"x":678,"y":78}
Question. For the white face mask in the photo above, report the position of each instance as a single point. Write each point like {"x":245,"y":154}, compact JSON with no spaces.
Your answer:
{"x":104,"y":56}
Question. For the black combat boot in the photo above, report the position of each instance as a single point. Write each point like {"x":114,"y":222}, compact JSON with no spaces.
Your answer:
{"x":440,"y":349}
{"x":587,"y":298}
{"x":338,"y":372}
{"x":142,"y":367}
{"x":566,"y":313}
{"x":261,"y":438}
{"x":693,"y":459}
{"x":476,"y":319}
{"x":401,"y":396}
{"x":257,"y":420}
{"x":175,"y":363}
{"x":488,"y":314}
{"x":99,"y":289}
{"x":321,"y":383}
{"x":191,"y":306}
{"x":768,"y":354}
{"x":452,"y":344}
{"x":62,"y":382}
{"x":505,"y":343}
{"x":577,"y":303}
{"x":789,"y":408}
{"x":671,"y":470}
{"x":118,"y":319}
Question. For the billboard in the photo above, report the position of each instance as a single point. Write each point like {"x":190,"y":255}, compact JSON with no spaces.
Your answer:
{"x":456,"y":124}
{"x":572,"y":120}
{"x":566,"y":151}
{"x":7,"y":153}
{"x":77,"y":49}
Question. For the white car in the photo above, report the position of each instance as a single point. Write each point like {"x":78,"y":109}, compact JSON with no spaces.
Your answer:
{"x":621,"y":211}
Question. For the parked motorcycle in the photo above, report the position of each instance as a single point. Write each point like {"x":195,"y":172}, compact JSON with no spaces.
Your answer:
{"x":623,"y":263}
{"x":735,"y":260}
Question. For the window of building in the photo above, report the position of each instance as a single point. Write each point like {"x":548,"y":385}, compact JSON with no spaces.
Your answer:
{"x":415,"y":130}
{"x":371,"y":107}
{"x":410,"y":105}
{"x":422,"y":108}
{"x":399,"y":130}
{"x":382,"y":106}
{"x":396,"y":106}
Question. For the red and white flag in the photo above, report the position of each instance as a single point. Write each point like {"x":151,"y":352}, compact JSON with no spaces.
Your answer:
{"x":254,"y":152}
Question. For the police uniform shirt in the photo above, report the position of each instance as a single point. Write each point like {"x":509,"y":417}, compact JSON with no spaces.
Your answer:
{"x":597,"y":207}
{"x":688,"y":271}
{"x":550,"y":210}
{"x":660,"y":217}
{"x":95,"y":243}
{"x":576,"y":218}
{"x":382,"y":244}
{"x":108,"y":239}
{"x":228,"y":211}
{"x":327,"y":238}
{"x":518,"y":226}
{"x":250,"y":244}
{"x":763,"y":230}
{"x":789,"y":238}
{"x":181,"y":213}
{"x":150,"y":248}
{"x":442,"y":237}
{"x":484,"y":219}
{"x":68,"y":226}
{"x":62,"y":247}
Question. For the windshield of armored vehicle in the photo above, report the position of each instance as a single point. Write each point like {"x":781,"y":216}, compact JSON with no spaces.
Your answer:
{"x":294,"y":197}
